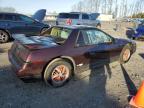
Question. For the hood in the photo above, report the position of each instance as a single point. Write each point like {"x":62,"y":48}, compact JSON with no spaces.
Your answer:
{"x":35,"y":42}
{"x":124,"y":41}
{"x":39,"y":15}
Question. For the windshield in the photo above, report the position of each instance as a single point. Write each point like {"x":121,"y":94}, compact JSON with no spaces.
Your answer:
{"x":60,"y":35}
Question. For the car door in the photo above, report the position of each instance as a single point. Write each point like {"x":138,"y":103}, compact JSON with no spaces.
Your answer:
{"x":15,"y":25}
{"x":10,"y":24}
{"x":106,"y":49}
{"x":95,"y":48}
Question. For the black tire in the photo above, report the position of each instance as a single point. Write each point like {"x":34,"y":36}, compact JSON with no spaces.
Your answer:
{"x":4,"y":36}
{"x":49,"y":71}
{"x":128,"y":49}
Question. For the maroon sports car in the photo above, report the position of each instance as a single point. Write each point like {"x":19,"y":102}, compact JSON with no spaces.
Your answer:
{"x":64,"y":51}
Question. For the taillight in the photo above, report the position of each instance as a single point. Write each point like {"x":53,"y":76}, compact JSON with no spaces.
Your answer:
{"x":21,"y":52}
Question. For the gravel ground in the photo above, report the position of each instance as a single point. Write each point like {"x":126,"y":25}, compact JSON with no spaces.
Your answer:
{"x":105,"y":87}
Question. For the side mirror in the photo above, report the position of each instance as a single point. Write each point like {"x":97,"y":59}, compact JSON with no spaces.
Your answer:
{"x":113,"y":40}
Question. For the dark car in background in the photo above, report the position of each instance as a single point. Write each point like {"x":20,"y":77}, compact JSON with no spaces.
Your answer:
{"x":11,"y":23}
{"x":65,"y":51}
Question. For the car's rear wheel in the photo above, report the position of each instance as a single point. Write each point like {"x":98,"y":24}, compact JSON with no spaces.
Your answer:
{"x":4,"y":37}
{"x":58,"y":73}
{"x":125,"y":54}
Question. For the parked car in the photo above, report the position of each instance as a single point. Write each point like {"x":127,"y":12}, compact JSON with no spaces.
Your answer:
{"x":65,"y":51}
{"x":17,"y":23}
{"x":77,"y":18}
{"x":136,"y":33}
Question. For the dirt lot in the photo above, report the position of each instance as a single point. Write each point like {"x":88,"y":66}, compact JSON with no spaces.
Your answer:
{"x":105,"y":87}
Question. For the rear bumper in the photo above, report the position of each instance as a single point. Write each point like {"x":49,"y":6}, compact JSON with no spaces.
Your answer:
{"x":23,"y":71}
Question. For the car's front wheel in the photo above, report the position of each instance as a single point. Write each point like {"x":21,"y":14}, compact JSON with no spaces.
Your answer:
{"x":4,"y":37}
{"x":58,"y":73}
{"x":125,"y":54}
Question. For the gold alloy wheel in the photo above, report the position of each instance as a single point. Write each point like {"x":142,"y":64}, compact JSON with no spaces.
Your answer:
{"x":126,"y":55}
{"x":60,"y":74}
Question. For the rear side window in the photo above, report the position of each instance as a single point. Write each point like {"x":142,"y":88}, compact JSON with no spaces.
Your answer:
{"x":74,"y":16}
{"x":24,"y":19}
{"x":68,"y":15}
{"x":9,"y":17}
{"x":85,"y":16}
{"x":63,"y":15}
{"x":60,"y":32}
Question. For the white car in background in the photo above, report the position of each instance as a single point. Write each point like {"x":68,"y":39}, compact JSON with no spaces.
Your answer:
{"x":77,"y":18}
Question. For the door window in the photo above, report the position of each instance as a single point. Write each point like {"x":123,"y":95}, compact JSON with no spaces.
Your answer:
{"x":9,"y":17}
{"x":24,"y":19}
{"x":92,"y":37}
{"x":85,"y":16}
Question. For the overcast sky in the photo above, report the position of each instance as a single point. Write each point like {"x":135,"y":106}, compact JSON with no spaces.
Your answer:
{"x":30,"y":6}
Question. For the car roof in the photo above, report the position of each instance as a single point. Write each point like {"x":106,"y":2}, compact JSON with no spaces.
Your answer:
{"x":78,"y":13}
{"x":75,"y":26}
{"x":73,"y":13}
